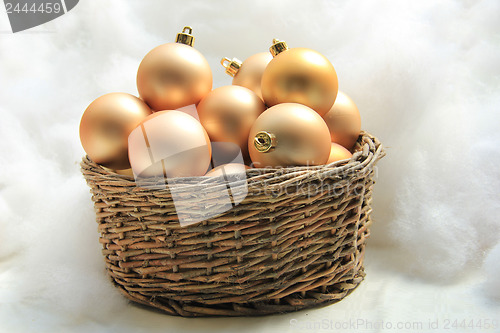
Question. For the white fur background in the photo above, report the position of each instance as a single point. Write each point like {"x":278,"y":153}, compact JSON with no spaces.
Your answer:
{"x":424,"y":74}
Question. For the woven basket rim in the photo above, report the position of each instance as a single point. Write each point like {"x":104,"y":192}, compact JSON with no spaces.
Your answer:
{"x":367,"y":151}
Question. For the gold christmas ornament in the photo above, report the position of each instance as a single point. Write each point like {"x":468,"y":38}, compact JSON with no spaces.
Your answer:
{"x":169,"y":144}
{"x":228,"y":152}
{"x":106,"y":125}
{"x":289,"y":134}
{"x":249,"y":73}
{"x":174,"y":75}
{"x":228,"y":169}
{"x":227,"y":114}
{"x":338,"y":153}
{"x":299,"y":75}
{"x":344,"y":121}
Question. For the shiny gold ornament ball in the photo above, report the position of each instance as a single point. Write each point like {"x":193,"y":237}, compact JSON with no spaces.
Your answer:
{"x":338,"y":153}
{"x":300,"y":75}
{"x":106,"y":125}
{"x":173,"y":75}
{"x":249,"y":73}
{"x":289,"y":134}
{"x":227,"y":114}
{"x":228,"y":170}
{"x":344,"y":121}
{"x":169,"y":144}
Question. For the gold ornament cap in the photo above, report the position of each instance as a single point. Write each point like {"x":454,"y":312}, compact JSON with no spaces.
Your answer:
{"x":185,"y":36}
{"x":232,"y":66}
{"x":264,"y":141}
{"x":278,"y":47}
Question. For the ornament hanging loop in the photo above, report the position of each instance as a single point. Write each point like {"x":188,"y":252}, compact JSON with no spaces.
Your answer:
{"x":232,"y":66}
{"x":185,"y":37}
{"x":264,"y":141}
{"x":224,"y":60}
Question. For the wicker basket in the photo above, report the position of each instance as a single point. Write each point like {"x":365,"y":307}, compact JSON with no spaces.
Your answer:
{"x":281,"y":249}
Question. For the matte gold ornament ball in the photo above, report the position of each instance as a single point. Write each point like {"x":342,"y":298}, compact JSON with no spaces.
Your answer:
{"x":344,"y":121}
{"x":228,"y":113}
{"x":299,"y":75}
{"x":106,"y":125}
{"x":174,"y":75}
{"x":289,"y":134}
{"x":169,"y":144}
{"x":338,"y":153}
{"x":248,"y":73}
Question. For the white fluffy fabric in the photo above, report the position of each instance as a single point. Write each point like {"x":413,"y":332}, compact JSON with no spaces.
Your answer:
{"x":424,"y":74}
{"x":492,"y":270}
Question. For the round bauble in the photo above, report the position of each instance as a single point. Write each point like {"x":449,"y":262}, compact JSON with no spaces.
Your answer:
{"x":228,"y":170}
{"x":344,"y":121}
{"x":174,"y":75}
{"x":289,"y":134}
{"x":170,"y":144}
{"x":106,"y":125}
{"x":227,"y":114}
{"x":228,"y":152}
{"x":338,"y":153}
{"x":249,"y":73}
{"x":299,"y":75}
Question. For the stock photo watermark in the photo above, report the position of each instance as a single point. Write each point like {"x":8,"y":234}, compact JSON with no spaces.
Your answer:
{"x":363,"y":324}
{"x":27,"y":14}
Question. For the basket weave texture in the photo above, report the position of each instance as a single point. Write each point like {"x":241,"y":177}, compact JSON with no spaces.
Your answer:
{"x":297,"y":240}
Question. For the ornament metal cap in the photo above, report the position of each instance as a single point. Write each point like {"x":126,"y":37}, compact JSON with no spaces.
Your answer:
{"x":278,"y":47}
{"x":264,"y":141}
{"x":232,"y":66}
{"x":185,"y":36}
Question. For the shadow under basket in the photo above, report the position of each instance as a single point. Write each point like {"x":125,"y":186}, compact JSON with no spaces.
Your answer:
{"x":295,"y":238}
